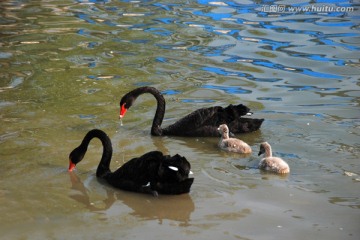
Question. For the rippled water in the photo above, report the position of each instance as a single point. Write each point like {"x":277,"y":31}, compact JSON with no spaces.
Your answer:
{"x":65,"y":64}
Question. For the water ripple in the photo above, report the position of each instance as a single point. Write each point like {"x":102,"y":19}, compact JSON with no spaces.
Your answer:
{"x":159,"y":31}
{"x":269,"y":64}
{"x":332,"y":20}
{"x":85,"y":17}
{"x":306,"y":88}
{"x":318,"y":115}
{"x":227,"y":89}
{"x":316,"y":57}
{"x":170,"y":92}
{"x":277,"y":99}
{"x":211,"y":51}
{"x":224,"y":72}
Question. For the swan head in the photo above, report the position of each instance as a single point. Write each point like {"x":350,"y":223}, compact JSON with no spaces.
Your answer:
{"x":123,"y":110}
{"x":124,"y":106}
{"x":223,"y":129}
{"x":75,"y":157}
{"x":125,"y":103}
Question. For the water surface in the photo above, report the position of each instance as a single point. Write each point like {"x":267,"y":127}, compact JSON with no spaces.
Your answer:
{"x":64,"y":65}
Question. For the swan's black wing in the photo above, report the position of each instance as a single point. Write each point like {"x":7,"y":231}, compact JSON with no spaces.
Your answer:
{"x":136,"y":174}
{"x":245,"y":125}
{"x":191,"y":123}
{"x":175,"y":188}
{"x":204,"y":122}
{"x":151,"y":174}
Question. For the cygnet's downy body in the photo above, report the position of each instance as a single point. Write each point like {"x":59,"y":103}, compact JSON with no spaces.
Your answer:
{"x":270,"y":163}
{"x":232,"y":144}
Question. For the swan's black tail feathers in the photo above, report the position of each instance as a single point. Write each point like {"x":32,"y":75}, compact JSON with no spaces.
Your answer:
{"x":245,"y":125}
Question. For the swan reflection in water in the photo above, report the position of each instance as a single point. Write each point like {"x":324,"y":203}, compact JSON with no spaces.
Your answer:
{"x":147,"y":207}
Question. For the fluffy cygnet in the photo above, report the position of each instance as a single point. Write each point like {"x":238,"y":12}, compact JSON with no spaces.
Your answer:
{"x":232,"y":144}
{"x":270,"y":163}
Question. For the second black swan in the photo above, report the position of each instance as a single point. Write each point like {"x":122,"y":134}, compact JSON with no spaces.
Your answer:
{"x":203,"y":122}
{"x":151,"y":173}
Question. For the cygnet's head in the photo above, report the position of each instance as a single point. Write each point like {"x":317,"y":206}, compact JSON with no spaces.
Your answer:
{"x":263,"y":147}
{"x":223,"y":129}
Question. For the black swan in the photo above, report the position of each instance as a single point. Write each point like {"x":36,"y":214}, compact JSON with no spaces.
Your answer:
{"x":200,"y":123}
{"x":270,"y":163}
{"x":151,"y":173}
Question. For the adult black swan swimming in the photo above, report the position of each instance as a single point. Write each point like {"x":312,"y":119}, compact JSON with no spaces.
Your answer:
{"x":203,"y":122}
{"x":151,"y":173}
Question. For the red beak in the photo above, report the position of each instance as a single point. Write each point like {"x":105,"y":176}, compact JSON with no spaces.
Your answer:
{"x":71,"y":166}
{"x":123,"y":110}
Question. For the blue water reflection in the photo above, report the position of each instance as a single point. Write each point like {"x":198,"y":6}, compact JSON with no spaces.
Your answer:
{"x":318,"y":37}
{"x":170,"y":92}
{"x":85,"y":17}
{"x":211,"y":51}
{"x":306,"y":88}
{"x":276,"y":99}
{"x":227,"y":89}
{"x":269,"y":64}
{"x":276,"y":32}
{"x":248,"y":76}
{"x":159,"y":31}
{"x":317,"y":115}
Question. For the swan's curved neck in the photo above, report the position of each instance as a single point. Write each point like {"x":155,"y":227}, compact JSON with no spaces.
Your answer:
{"x":225,"y":135}
{"x":268,"y":152}
{"x":160,"y":109}
{"x":104,"y":165}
